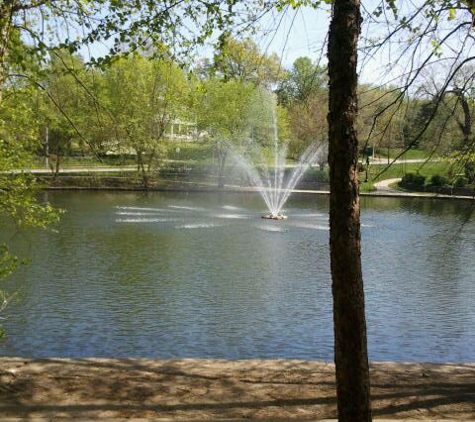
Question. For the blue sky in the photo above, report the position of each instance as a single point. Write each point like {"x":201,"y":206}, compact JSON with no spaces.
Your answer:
{"x":303,"y":32}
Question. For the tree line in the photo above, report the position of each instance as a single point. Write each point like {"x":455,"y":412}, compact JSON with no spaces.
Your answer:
{"x":132,"y":105}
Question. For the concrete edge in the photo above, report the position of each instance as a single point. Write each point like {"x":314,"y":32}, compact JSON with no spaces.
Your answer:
{"x":230,"y":189}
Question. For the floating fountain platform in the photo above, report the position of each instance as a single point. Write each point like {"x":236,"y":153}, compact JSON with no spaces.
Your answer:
{"x":274,"y":216}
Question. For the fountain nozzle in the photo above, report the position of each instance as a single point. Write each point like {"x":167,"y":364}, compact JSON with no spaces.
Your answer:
{"x":274,"y":216}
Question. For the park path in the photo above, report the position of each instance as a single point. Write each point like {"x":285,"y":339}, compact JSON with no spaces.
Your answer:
{"x":384,"y":161}
{"x":383,"y":186}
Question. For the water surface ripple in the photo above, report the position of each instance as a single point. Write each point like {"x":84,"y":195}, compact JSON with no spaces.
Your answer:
{"x":201,"y":275}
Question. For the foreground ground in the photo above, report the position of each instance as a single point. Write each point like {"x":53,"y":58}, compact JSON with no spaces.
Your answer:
{"x":218,"y":389}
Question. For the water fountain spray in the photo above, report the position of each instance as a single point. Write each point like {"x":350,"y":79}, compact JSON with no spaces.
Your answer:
{"x":270,"y":180}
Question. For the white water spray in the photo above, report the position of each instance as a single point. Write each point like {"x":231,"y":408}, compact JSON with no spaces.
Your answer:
{"x":271,"y":181}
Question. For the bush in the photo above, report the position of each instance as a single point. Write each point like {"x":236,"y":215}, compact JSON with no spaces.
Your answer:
{"x":470,"y":171}
{"x":412,"y":180}
{"x":438,"y":181}
{"x":196,"y":151}
{"x":313,"y":174}
{"x":321,"y":176}
{"x":460,"y":181}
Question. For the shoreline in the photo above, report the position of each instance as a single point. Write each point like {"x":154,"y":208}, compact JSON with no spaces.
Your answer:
{"x":231,"y":189}
{"x":214,"y":389}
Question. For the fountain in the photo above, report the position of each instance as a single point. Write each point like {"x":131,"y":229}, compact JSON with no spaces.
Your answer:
{"x":274,"y":216}
{"x":270,"y":180}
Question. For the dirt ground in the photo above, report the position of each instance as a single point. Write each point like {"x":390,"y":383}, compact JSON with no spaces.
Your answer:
{"x":217,"y":389}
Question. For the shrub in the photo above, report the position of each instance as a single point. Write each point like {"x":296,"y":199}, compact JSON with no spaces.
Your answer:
{"x":412,"y":180}
{"x":321,"y":176}
{"x":313,"y":174}
{"x":438,"y":181}
{"x":470,"y":171}
{"x":196,"y":151}
{"x":460,"y":181}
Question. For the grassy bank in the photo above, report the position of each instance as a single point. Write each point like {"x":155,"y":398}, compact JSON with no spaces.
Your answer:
{"x":377,"y":173}
{"x":408,"y":155}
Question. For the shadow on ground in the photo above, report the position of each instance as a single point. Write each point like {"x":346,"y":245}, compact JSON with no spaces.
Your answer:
{"x":217,"y":389}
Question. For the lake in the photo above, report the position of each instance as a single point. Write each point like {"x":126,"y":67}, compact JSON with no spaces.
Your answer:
{"x":202,"y":275}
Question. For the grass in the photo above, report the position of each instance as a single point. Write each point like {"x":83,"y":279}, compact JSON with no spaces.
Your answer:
{"x":197,"y":152}
{"x":71,"y":162}
{"x":441,"y":168}
{"x":188,"y":151}
{"x":367,"y":187}
{"x":408,"y":155}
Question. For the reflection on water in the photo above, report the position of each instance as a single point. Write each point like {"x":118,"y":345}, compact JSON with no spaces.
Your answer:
{"x":177,"y":275}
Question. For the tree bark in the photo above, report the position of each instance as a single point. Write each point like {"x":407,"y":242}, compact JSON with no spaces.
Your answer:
{"x":142,"y":169}
{"x":222,"y":155}
{"x":465,"y":125}
{"x":351,"y":356}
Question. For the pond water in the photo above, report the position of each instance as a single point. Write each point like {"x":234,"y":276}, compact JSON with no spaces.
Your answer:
{"x":201,"y":275}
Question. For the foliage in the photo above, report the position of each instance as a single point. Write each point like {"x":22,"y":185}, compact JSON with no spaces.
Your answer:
{"x":223,"y":109}
{"x":18,"y":126}
{"x":303,"y":92}
{"x":223,"y":115}
{"x":62,"y":88}
{"x":434,"y":75}
{"x":317,"y":175}
{"x":242,"y":59}
{"x":188,"y":151}
{"x":19,"y":206}
{"x":464,"y":163}
{"x":412,"y":181}
{"x":438,"y":181}
{"x":380,"y":120}
{"x":443,"y":121}
{"x":308,"y":123}
{"x":143,"y":98}
{"x":460,"y":181}
{"x":18,"y":201}
{"x":303,"y":80}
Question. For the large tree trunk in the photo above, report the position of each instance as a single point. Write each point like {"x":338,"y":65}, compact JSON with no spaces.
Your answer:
{"x":351,"y":357}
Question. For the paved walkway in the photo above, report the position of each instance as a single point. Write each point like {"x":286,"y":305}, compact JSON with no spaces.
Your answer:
{"x":383,"y":186}
{"x":384,"y":161}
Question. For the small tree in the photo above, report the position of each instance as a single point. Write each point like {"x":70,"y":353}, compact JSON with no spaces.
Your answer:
{"x":144,"y":96}
{"x":223,"y":115}
{"x":242,"y":59}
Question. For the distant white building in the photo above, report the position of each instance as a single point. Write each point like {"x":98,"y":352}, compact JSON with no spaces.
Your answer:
{"x":181,"y":131}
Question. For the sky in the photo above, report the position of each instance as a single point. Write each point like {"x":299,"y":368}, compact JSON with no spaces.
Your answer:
{"x":291,"y":35}
{"x":298,"y":33}
{"x":303,"y":32}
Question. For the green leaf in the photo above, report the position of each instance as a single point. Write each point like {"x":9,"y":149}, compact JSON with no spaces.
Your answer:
{"x":452,"y":14}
